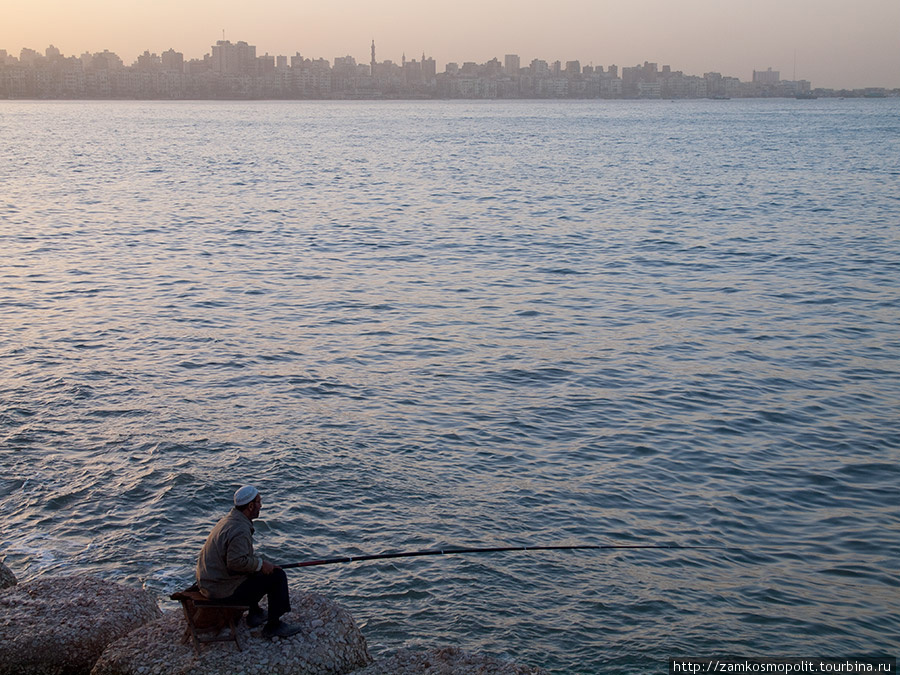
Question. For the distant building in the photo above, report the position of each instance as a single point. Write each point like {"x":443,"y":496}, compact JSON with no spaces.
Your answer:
{"x":172,"y":61}
{"x":265,"y":64}
{"x":766,"y":77}
{"x":29,"y":56}
{"x":539,"y":68}
{"x":429,"y":67}
{"x":148,"y":62}
{"x":233,"y":59}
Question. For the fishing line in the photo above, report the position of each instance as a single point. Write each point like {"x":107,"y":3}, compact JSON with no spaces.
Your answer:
{"x":495,"y":549}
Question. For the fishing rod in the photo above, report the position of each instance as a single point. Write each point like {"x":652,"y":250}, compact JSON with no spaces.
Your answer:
{"x":494,"y":549}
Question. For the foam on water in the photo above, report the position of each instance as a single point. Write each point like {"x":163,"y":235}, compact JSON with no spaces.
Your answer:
{"x":416,"y":325}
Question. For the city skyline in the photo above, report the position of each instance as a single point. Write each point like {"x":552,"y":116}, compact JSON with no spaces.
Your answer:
{"x":828,"y":42}
{"x":236,"y":70}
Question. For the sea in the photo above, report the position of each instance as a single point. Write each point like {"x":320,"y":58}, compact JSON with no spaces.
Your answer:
{"x":443,"y":324}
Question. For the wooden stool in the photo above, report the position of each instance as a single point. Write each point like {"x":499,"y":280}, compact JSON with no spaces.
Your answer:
{"x":207,"y":618}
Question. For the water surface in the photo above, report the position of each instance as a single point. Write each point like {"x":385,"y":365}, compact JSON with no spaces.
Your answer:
{"x":430,"y":324}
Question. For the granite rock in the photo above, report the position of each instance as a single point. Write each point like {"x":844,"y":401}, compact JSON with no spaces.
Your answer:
{"x":61,"y":625}
{"x":445,"y":661}
{"x":329,"y":644}
{"x":7,"y":578}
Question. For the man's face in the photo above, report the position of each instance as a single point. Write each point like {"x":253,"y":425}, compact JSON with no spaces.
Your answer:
{"x":255,"y":506}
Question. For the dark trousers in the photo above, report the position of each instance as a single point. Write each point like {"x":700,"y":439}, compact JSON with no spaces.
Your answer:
{"x":254,"y":587}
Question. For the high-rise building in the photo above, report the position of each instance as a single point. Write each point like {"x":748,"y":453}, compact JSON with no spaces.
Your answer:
{"x":766,"y":77}
{"x":511,"y":64}
{"x":29,"y":56}
{"x":148,"y":61}
{"x":172,"y":61}
{"x":429,"y":67}
{"x":234,"y":59}
{"x":539,"y":67}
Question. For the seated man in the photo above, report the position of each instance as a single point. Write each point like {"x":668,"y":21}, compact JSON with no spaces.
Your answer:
{"x":228,"y":571}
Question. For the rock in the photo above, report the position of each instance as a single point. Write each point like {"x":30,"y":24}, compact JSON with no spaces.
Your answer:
{"x":61,"y":625}
{"x":445,"y":661}
{"x":337,"y":646}
{"x":7,"y":578}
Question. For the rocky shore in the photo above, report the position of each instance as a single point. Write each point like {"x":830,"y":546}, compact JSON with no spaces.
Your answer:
{"x":82,"y":625}
{"x":330,"y":644}
{"x":60,"y":626}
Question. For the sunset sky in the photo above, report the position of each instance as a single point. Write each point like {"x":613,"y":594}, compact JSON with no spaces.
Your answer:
{"x":836,"y":43}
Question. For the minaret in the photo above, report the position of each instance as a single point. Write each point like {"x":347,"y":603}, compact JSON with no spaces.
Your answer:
{"x":372,"y":65}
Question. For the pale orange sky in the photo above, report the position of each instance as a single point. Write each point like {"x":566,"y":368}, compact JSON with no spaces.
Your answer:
{"x":838,"y":43}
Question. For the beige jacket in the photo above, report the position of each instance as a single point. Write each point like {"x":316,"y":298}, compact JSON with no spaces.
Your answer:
{"x":227,"y":556}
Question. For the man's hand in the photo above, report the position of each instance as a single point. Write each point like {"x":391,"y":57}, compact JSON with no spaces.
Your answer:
{"x":268,"y":567}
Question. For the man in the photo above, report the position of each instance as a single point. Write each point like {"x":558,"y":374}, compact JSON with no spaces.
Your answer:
{"x":227,"y":569}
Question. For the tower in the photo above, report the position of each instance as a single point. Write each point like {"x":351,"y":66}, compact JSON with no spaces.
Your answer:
{"x":372,"y":64}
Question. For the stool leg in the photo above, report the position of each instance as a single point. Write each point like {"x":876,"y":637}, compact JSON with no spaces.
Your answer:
{"x":188,"y":607}
{"x":233,"y":627}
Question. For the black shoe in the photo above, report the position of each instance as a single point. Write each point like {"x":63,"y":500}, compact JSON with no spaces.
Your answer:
{"x":256,"y":617}
{"x":281,"y":629}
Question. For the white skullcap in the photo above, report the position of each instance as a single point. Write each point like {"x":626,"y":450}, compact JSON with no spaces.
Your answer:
{"x":245,"y":495}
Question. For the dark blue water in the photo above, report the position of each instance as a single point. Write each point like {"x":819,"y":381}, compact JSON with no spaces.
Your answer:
{"x":416,"y":325}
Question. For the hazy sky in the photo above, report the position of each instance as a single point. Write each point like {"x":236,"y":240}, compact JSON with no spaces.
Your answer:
{"x":838,"y":43}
